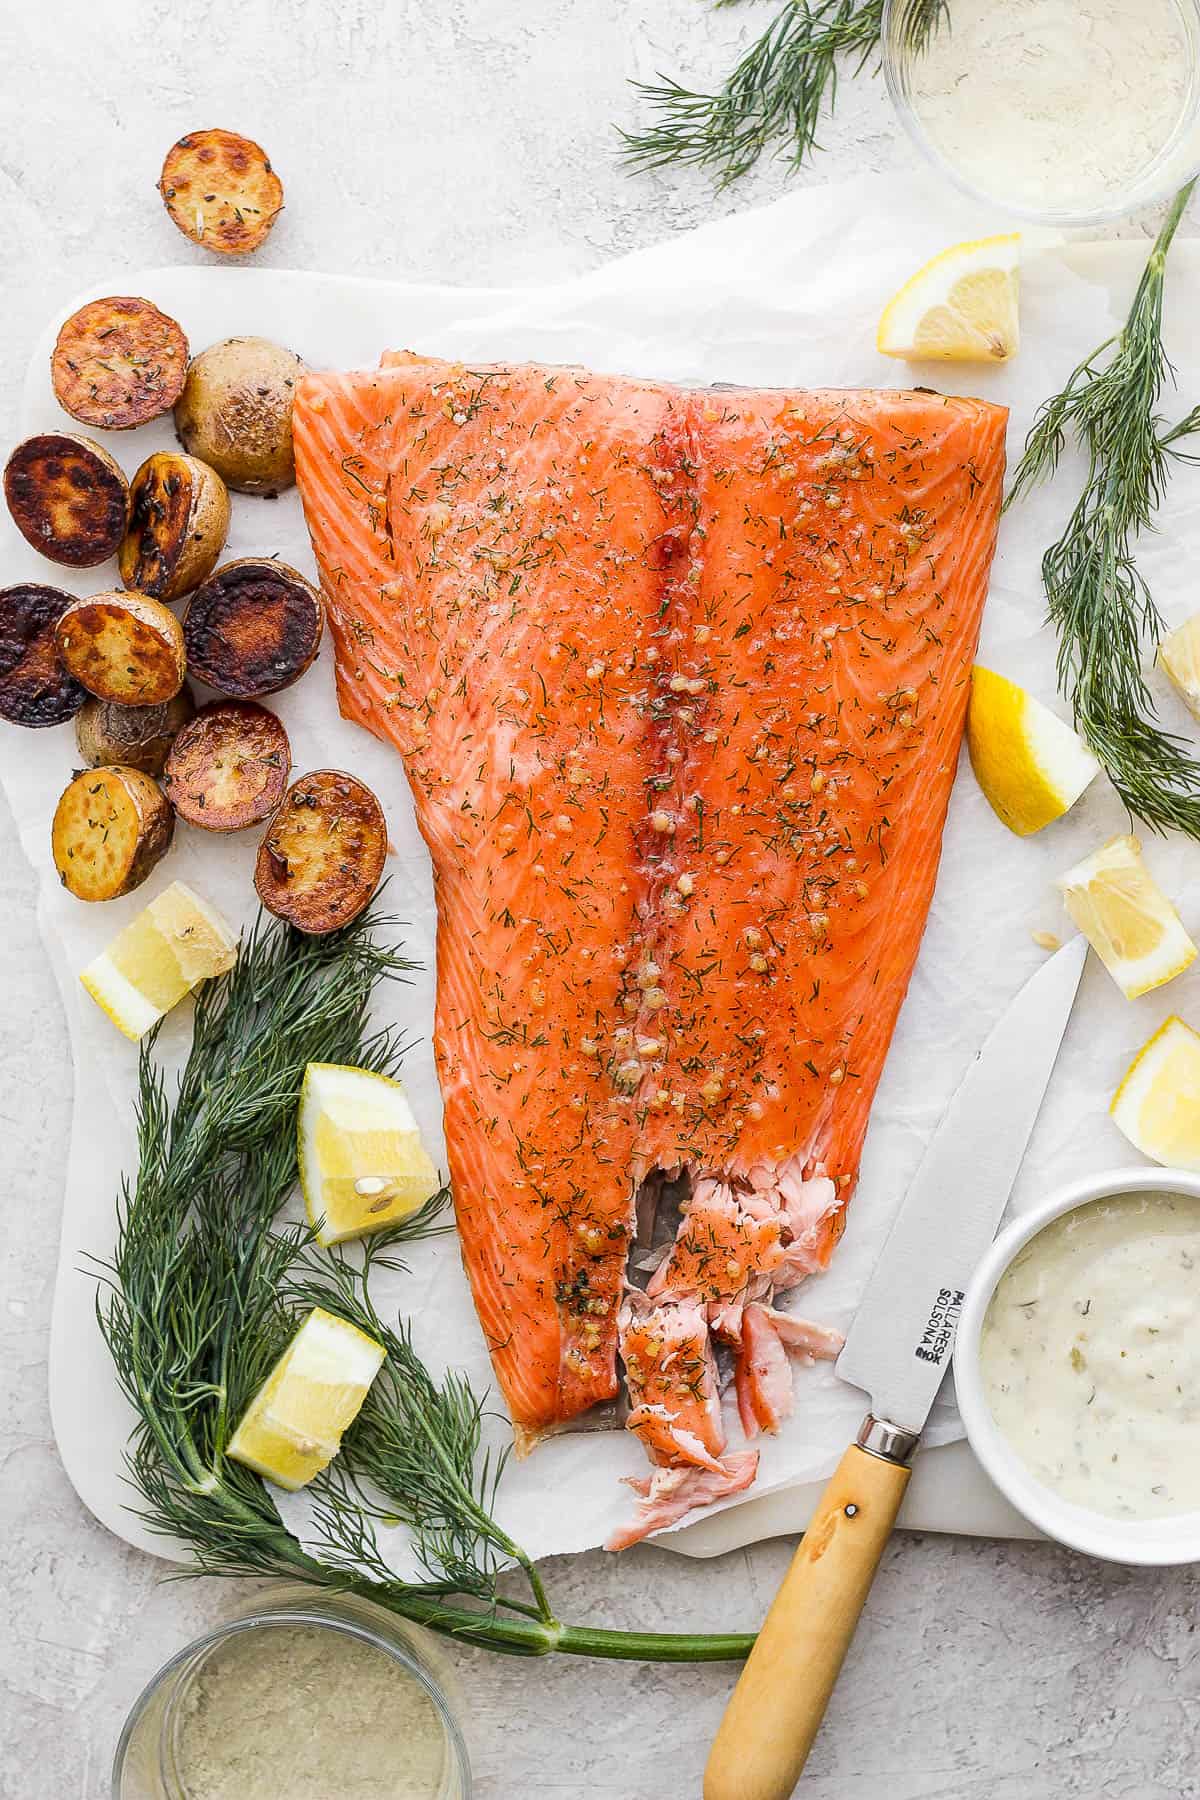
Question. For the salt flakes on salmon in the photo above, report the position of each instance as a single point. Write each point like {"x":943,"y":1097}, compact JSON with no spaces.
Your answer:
{"x":679,"y":681}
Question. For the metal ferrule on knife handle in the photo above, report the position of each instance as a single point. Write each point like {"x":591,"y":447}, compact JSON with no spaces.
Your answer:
{"x":879,"y":1437}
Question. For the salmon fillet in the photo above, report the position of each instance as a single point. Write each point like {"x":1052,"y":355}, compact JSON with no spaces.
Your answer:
{"x":679,"y":680}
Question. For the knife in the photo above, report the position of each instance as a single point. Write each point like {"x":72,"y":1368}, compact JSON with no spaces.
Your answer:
{"x":898,"y":1350}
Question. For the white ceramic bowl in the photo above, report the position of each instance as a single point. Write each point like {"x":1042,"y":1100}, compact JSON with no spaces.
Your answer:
{"x":1149,"y":1541}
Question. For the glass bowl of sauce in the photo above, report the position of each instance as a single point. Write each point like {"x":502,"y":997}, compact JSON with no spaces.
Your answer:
{"x":1071,"y":112}
{"x":1077,"y":1365}
{"x":309,"y":1696}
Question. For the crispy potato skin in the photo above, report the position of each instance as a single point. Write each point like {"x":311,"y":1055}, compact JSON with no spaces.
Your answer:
{"x":235,"y":413}
{"x":253,"y":628}
{"x":119,"y":362}
{"x":123,"y":647}
{"x":138,"y":737}
{"x":111,"y":827}
{"x":178,"y":523}
{"x":68,"y":498}
{"x":229,"y":768}
{"x":221,"y":191}
{"x":323,"y":852}
{"x":35,"y":689}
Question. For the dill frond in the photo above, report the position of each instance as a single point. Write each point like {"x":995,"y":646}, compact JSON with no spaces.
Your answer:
{"x":1099,"y":601}
{"x":777,"y":93}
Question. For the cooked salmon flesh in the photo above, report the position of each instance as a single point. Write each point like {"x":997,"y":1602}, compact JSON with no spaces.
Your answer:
{"x":678,"y":678}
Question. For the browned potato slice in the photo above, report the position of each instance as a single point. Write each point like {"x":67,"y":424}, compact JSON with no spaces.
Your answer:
{"x":177,"y":527}
{"x":35,"y":688}
{"x":235,"y":413}
{"x":253,"y":628}
{"x":118,"y":363}
{"x":229,"y":768}
{"x":221,"y":191}
{"x":136,"y":736}
{"x":110,"y":828}
{"x":68,"y":498}
{"x":322,"y":857}
{"x":123,"y":647}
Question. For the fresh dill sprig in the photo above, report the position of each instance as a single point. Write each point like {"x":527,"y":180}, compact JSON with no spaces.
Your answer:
{"x":189,"y":1308}
{"x":413,"y":1454}
{"x":777,"y":92}
{"x":1098,"y":598}
{"x":205,"y":1289}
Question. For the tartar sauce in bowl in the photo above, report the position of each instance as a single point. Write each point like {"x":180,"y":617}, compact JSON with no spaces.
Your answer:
{"x":1089,"y":1355}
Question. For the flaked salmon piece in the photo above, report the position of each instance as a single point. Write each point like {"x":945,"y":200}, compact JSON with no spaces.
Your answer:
{"x":671,"y":1376}
{"x":762,"y":1370}
{"x":668,"y":1442}
{"x":669,"y":1495}
{"x":763,"y":1375}
{"x":720,"y":1246}
{"x":679,"y":680}
{"x":812,"y":1343}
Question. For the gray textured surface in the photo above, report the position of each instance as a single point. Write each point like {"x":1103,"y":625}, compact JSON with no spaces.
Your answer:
{"x":472,"y":141}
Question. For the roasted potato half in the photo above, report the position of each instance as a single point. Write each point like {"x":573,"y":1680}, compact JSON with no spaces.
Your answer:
{"x":322,"y":856}
{"x":35,"y":688}
{"x":229,"y":768}
{"x":253,"y":628}
{"x":136,"y":736}
{"x":123,"y":647}
{"x":118,"y":363}
{"x":235,"y":413}
{"x":178,"y":524}
{"x":221,"y":191}
{"x":110,"y":829}
{"x":68,"y":498}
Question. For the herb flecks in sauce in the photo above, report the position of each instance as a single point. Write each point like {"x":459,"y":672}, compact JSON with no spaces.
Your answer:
{"x":1090,"y":1356}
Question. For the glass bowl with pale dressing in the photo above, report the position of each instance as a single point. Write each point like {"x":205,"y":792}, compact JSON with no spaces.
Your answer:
{"x":307,"y":1695}
{"x":1077,"y":1365}
{"x":1069,"y":112}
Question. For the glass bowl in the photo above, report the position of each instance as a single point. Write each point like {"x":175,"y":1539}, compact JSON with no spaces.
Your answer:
{"x":1064,"y":112}
{"x":150,"y":1761}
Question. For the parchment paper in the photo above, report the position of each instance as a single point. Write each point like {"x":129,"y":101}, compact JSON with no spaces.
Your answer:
{"x":787,"y":295}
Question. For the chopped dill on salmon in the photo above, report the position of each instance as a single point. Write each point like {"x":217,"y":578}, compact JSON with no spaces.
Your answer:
{"x":679,"y":679}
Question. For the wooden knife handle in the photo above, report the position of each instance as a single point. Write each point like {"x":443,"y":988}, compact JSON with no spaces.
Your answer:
{"x":778,"y":1704}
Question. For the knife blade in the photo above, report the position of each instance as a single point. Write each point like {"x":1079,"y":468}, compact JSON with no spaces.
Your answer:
{"x":897,"y":1350}
{"x":899,"y":1345}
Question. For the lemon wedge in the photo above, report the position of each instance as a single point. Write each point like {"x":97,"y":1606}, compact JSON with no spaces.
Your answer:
{"x":963,"y":306}
{"x":362,"y":1162}
{"x":174,"y":944}
{"x":1179,"y":655}
{"x":1126,"y":917}
{"x":292,"y":1429}
{"x":1157,"y":1105}
{"x":1031,"y":766}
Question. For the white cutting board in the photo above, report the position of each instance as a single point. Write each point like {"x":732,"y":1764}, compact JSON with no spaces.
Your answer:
{"x":948,"y":1492}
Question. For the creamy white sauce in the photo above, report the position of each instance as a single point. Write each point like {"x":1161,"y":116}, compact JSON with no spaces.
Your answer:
{"x":1055,"y":103}
{"x":1090,"y":1355}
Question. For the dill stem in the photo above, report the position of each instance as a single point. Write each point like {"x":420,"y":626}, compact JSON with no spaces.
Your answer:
{"x":546,"y":1637}
{"x":535,"y":1584}
{"x":1157,"y":262}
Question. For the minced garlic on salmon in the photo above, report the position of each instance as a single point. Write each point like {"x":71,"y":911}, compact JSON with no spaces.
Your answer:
{"x":679,"y":680}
